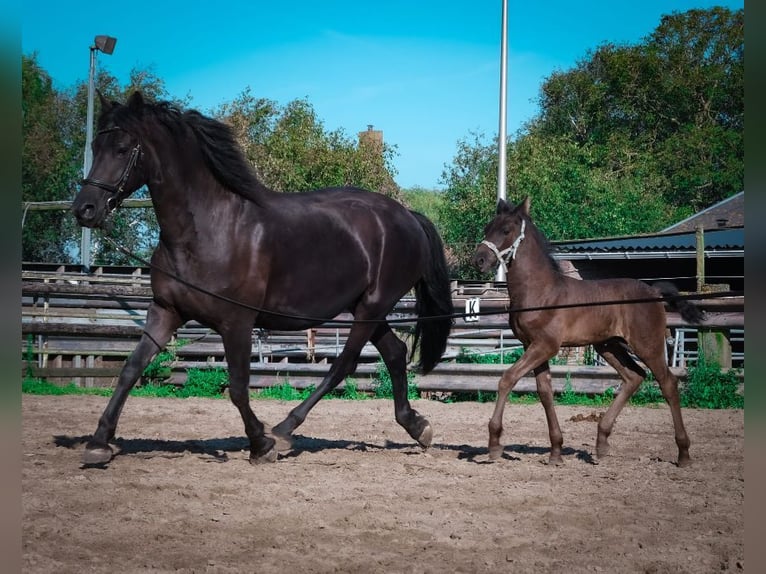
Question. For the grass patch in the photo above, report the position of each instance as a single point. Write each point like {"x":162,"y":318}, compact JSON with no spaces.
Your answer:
{"x":707,"y":386}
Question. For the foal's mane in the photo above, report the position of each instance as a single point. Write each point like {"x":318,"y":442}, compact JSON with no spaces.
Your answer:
{"x":545,"y":245}
{"x":223,"y":155}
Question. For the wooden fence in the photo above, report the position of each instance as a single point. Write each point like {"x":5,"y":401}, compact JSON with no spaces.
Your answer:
{"x":82,"y":327}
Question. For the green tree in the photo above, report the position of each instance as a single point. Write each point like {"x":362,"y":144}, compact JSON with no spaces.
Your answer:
{"x":291,"y":150}
{"x":671,"y":106}
{"x":51,"y":166}
{"x":630,"y":140}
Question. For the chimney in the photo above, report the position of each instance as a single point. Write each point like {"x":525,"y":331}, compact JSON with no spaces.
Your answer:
{"x":371,"y":137}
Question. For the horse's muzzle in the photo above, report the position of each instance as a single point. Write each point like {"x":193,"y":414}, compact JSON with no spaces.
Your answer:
{"x":88,"y":213}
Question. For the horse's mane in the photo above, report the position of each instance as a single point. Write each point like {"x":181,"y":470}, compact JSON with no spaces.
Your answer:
{"x":223,"y":155}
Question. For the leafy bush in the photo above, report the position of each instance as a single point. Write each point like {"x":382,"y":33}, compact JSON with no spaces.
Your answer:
{"x":508,"y":357}
{"x":707,"y":387}
{"x":159,"y":369}
{"x":383,"y":387}
{"x":648,"y":393}
{"x":204,"y":383}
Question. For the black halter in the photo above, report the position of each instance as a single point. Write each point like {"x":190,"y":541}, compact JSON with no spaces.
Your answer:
{"x":117,"y":190}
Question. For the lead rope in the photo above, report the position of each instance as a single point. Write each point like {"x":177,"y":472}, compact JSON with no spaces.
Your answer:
{"x":341,"y":322}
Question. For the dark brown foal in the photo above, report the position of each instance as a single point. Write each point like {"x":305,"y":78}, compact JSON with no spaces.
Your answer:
{"x":615,"y":330}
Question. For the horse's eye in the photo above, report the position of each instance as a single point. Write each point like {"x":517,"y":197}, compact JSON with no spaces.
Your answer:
{"x":506,"y":230}
{"x":122,"y":150}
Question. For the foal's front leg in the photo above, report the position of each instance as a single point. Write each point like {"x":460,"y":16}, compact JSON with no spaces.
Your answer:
{"x":532,"y":357}
{"x":545,"y":392}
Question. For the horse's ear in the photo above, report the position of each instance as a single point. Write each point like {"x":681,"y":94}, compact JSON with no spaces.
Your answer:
{"x":136,"y":101}
{"x":503,"y":207}
{"x":106,"y":104}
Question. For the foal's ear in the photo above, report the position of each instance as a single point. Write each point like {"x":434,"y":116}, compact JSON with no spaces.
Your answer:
{"x":503,"y":207}
{"x":524,"y":205}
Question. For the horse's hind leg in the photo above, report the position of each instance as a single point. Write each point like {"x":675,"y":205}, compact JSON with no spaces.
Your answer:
{"x":342,"y":366}
{"x":669,"y":386}
{"x":161,"y":323}
{"x":394,"y":354}
{"x":615,"y":353}
{"x":545,"y":393}
{"x":237,"y":343}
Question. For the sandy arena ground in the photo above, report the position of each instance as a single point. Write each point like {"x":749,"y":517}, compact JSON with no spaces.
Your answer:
{"x":356,"y":494}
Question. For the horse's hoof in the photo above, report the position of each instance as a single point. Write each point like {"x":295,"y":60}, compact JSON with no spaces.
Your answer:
{"x":97,"y":455}
{"x":426,"y":436}
{"x":555,"y":461}
{"x":270,"y":456}
{"x":283,"y":441}
{"x":684,"y":461}
{"x":495,"y":452}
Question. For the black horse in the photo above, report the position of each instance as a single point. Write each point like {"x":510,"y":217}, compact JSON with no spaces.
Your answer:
{"x":273,"y":260}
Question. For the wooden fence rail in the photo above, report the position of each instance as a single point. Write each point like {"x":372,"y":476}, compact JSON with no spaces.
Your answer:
{"x":82,"y":327}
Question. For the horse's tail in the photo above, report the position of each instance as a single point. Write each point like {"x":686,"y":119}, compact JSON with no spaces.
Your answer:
{"x":433,"y":299}
{"x":690,"y":312}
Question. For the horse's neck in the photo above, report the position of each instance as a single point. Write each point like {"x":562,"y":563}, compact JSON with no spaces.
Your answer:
{"x":193,"y":208}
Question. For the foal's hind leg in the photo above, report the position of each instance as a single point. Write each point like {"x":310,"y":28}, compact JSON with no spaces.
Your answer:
{"x":237,"y":343}
{"x":394,"y":354}
{"x":669,"y":386}
{"x":615,"y":353}
{"x":160,"y":326}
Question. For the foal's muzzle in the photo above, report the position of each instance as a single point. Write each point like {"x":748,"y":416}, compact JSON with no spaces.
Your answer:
{"x":483,"y":259}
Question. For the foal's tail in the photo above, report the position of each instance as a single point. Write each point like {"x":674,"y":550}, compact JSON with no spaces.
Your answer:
{"x":689,"y":311}
{"x":433,"y":299}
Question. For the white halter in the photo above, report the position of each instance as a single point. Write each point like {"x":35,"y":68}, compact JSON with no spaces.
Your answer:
{"x":508,"y":253}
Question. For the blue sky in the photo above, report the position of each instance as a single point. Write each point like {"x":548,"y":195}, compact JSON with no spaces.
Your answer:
{"x":424,"y":72}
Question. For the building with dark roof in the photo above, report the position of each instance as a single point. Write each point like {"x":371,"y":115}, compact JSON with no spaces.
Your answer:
{"x":672,"y":253}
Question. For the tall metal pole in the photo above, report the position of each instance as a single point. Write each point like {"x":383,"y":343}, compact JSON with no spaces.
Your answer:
{"x":85,"y":253}
{"x":502,"y":129}
{"x":105,"y":44}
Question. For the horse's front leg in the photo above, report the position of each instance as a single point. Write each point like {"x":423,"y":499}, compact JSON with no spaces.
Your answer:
{"x":342,"y":366}
{"x":237,"y":342}
{"x":161,"y":323}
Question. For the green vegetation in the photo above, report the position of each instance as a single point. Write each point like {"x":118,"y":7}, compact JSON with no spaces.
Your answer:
{"x":706,"y":386}
{"x":629,"y":140}
{"x":383,"y":388}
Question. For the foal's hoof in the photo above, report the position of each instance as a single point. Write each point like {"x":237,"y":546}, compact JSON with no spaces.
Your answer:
{"x":97,"y":455}
{"x":270,"y":456}
{"x":426,"y":436}
{"x":684,"y":461}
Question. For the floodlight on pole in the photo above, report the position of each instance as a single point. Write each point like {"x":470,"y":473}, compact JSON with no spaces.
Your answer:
{"x":502,"y":129}
{"x":106,"y":45}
